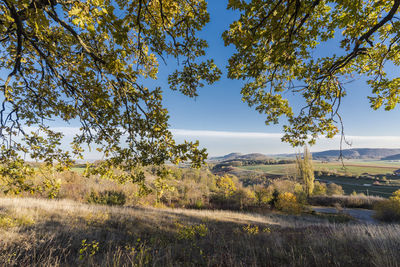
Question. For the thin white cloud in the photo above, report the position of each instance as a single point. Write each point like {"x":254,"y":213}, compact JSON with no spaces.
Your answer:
{"x":67,"y":131}
{"x":224,"y":142}
{"x":223,"y":134}
{"x":377,"y":137}
{"x":72,"y":131}
{"x":210,"y":133}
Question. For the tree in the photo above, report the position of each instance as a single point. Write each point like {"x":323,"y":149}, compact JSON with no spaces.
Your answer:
{"x":280,"y":51}
{"x":226,"y":185}
{"x":306,"y":170}
{"x":88,"y":62}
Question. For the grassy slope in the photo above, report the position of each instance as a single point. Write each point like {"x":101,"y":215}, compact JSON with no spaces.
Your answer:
{"x":50,"y":233}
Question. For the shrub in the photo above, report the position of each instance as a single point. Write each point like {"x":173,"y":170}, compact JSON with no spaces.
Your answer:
{"x":107,"y":198}
{"x":319,"y":189}
{"x":191,"y":232}
{"x":334,"y":189}
{"x":251,"y":230}
{"x":274,"y":199}
{"x":396,"y":195}
{"x":354,"y":201}
{"x":226,"y":185}
{"x":262,"y":195}
{"x":287,"y":202}
{"x":300,"y":194}
{"x":243,"y":197}
{"x":389,"y":210}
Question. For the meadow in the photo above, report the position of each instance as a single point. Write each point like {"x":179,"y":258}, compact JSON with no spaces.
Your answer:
{"x":192,"y":217}
{"x":38,"y":232}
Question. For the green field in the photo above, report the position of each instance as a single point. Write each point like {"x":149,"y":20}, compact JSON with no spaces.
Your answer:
{"x":350,"y":167}
{"x":279,"y":169}
{"x":346,"y":176}
{"x":360,"y":185}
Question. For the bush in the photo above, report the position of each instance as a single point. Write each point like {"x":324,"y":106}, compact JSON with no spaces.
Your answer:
{"x":226,"y":185}
{"x":389,"y":210}
{"x":334,"y":189}
{"x":262,"y":195}
{"x":287,"y":202}
{"x":243,"y":197}
{"x":356,"y":201}
{"x":319,"y":189}
{"x":107,"y":198}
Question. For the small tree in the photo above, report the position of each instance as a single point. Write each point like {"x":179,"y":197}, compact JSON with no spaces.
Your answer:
{"x":305,"y":170}
{"x":226,"y":185}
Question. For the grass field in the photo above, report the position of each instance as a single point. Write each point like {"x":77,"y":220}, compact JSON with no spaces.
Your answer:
{"x":350,"y":184}
{"x":350,"y":167}
{"x":346,"y":177}
{"x":37,"y":232}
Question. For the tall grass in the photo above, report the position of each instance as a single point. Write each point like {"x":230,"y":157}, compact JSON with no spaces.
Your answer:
{"x":357,"y":201}
{"x":68,"y":233}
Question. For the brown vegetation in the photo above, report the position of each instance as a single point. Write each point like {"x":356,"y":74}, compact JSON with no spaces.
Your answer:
{"x":68,"y":233}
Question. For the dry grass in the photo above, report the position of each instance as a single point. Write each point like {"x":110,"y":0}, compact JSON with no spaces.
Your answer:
{"x":68,"y":233}
{"x":357,"y":201}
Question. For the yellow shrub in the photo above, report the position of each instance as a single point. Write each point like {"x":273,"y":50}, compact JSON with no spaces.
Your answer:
{"x":389,"y":210}
{"x":9,"y":221}
{"x":191,"y":232}
{"x":287,"y":202}
{"x":319,"y":189}
{"x":396,"y":195}
{"x":250,"y":230}
{"x":226,"y":185}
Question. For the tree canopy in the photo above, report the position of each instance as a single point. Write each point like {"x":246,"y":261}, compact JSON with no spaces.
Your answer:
{"x":87,"y":62}
{"x":280,"y":51}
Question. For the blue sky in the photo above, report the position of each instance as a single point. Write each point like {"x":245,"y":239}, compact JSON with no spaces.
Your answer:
{"x":239,"y":128}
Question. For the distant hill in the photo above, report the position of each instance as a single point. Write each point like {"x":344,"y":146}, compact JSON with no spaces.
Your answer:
{"x":354,"y":153}
{"x":237,"y":156}
{"x":392,"y":157}
{"x":230,"y":156}
{"x":357,"y":153}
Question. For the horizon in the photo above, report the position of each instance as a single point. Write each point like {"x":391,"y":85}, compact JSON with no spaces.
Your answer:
{"x":220,"y":143}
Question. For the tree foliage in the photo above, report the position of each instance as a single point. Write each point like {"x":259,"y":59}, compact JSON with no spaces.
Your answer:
{"x":305,"y":169}
{"x":87,"y":62}
{"x":281,"y":49}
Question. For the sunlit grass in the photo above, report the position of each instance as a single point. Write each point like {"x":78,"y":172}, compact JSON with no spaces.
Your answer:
{"x":68,"y":233}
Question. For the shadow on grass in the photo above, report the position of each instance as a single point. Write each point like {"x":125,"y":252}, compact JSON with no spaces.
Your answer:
{"x":147,"y":236}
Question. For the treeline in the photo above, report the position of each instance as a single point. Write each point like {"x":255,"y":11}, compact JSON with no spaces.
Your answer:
{"x":251,"y":162}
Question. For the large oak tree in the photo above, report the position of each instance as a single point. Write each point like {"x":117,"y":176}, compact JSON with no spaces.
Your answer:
{"x":87,"y":62}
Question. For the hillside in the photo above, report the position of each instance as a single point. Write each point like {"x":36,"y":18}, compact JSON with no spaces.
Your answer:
{"x":356,"y":153}
{"x":392,"y":157}
{"x":238,"y":156}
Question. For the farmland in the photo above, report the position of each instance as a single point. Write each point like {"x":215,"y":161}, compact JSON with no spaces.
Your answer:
{"x":350,"y":167}
{"x":358,"y":176}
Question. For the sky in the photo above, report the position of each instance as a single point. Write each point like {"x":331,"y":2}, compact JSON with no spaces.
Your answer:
{"x":223,"y":123}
